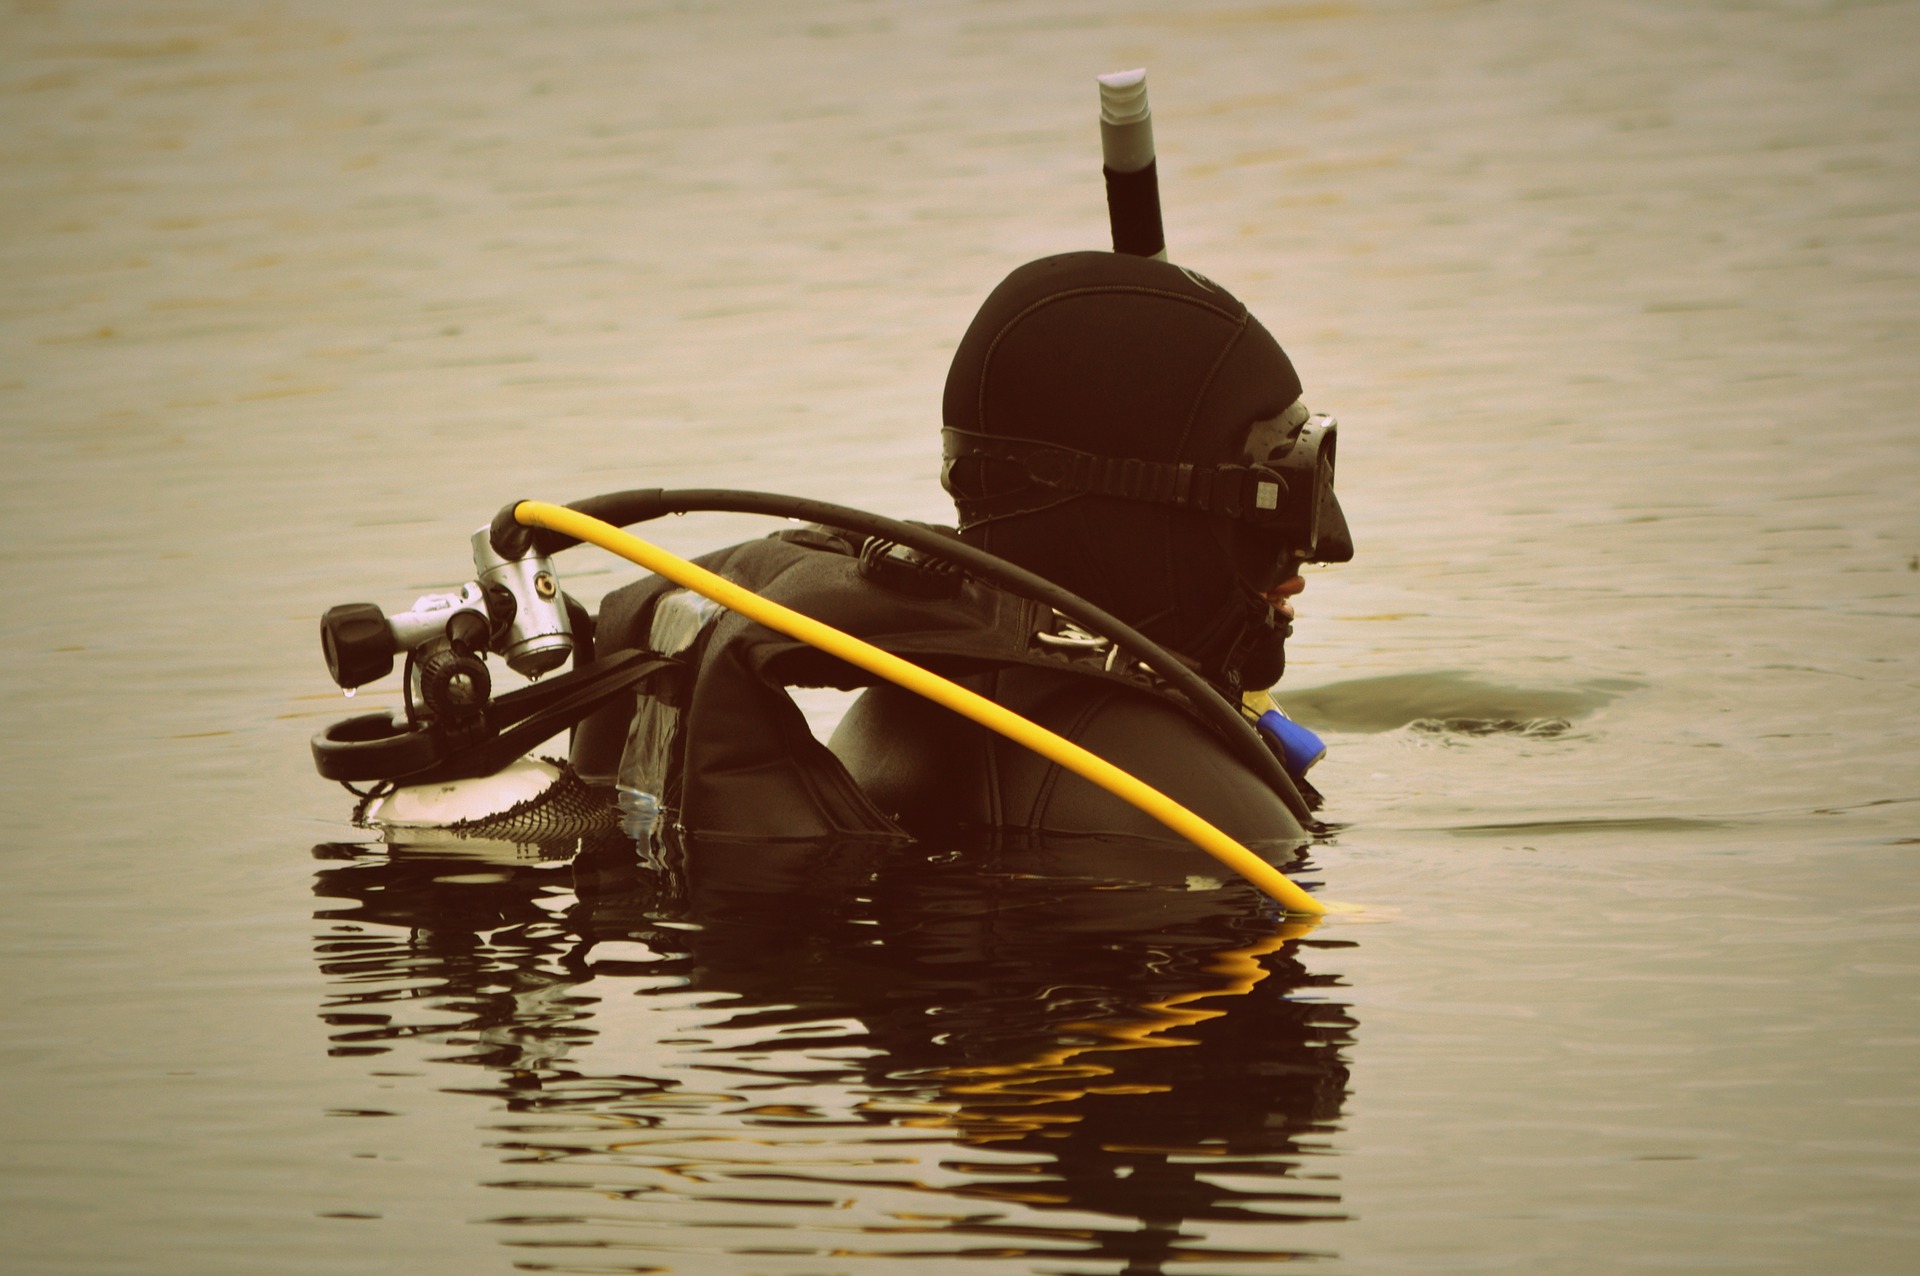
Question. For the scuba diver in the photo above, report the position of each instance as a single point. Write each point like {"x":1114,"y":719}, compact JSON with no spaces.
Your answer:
{"x":1105,"y":418}
{"x":1137,"y":480}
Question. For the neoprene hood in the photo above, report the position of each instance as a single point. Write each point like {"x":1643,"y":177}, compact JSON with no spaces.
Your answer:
{"x":1158,"y":375}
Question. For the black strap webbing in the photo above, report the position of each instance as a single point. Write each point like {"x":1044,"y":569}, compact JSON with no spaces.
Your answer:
{"x":1250,"y":493}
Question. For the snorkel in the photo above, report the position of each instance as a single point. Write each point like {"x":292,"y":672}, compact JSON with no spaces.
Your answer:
{"x":1128,"y":163}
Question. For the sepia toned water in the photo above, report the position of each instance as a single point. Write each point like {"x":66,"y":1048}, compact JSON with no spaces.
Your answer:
{"x":1618,"y":307}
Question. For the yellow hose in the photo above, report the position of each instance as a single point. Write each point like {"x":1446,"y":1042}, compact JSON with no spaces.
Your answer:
{"x":931,"y":685}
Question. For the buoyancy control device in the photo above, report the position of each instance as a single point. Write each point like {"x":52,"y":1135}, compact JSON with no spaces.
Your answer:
{"x":909,"y":588}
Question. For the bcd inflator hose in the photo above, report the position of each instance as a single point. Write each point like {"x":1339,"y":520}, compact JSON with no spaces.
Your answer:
{"x":1096,"y":770}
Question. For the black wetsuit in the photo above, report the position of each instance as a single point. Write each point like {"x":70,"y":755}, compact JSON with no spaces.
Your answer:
{"x":726,"y":752}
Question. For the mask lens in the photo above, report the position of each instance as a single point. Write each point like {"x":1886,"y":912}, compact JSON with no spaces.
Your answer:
{"x":1299,"y":446}
{"x":1271,"y":439}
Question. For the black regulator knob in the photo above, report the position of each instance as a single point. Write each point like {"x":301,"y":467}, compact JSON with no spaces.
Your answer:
{"x":358,"y":644}
{"x":454,"y":687}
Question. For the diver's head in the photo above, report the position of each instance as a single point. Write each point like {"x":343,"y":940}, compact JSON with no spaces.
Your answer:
{"x":1125,"y":428}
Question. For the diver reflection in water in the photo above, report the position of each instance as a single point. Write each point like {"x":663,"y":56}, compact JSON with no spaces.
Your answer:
{"x":1148,"y":1052}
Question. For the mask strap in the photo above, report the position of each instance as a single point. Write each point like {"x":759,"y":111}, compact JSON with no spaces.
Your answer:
{"x":1248,"y":493}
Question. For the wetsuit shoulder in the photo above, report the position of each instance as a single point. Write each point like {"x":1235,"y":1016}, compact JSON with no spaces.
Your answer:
{"x":933,"y":770}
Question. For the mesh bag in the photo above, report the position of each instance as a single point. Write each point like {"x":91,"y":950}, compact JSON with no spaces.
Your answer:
{"x":569,"y":808}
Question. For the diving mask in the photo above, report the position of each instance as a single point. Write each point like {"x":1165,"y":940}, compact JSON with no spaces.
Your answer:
{"x":1307,"y":524}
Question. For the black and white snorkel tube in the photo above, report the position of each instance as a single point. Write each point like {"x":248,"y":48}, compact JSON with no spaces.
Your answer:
{"x":1127,"y":160}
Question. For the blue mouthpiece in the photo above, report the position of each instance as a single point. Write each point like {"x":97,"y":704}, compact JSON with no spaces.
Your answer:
{"x":1299,"y":747}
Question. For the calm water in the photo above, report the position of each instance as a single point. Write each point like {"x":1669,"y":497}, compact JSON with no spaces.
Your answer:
{"x":1618,"y":306}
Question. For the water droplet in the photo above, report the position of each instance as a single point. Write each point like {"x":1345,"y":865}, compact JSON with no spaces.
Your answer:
{"x":350,"y":691}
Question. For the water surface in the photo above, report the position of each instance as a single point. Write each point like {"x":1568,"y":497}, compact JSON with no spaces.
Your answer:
{"x":1617,"y":310}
